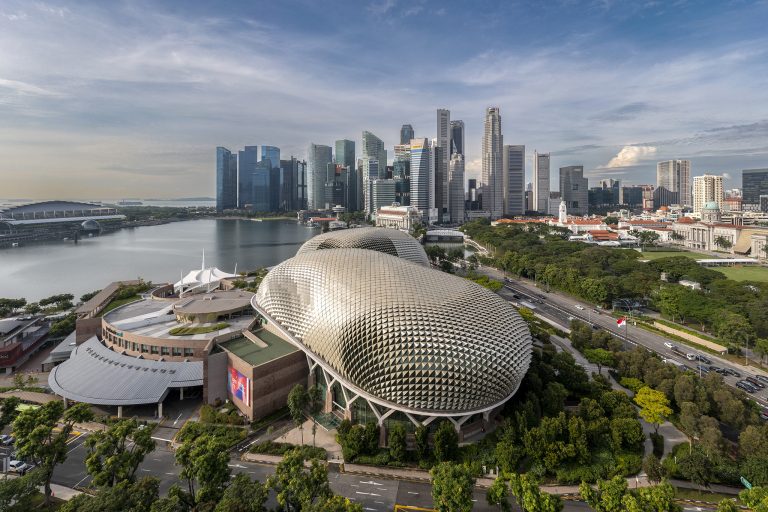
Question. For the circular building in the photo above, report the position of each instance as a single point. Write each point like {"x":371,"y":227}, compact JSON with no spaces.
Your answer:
{"x":389,"y":340}
{"x":389,"y":241}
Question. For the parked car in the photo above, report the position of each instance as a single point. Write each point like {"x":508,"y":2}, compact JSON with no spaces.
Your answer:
{"x":18,"y":466}
{"x":705,"y":359}
{"x":8,"y":441}
{"x":715,"y":369}
{"x":515,"y":296}
{"x":762,"y":378}
{"x":764,"y":414}
{"x":691,"y":357}
{"x":596,"y":311}
{"x":755,"y":382}
{"x":669,"y":344}
{"x":596,"y":327}
{"x":579,"y":307}
{"x":3,"y":437}
{"x":746,"y":386}
{"x":731,"y":371}
{"x":702,"y":368}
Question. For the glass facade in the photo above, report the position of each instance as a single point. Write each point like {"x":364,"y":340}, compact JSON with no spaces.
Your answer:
{"x":754,"y":183}
{"x":226,"y":179}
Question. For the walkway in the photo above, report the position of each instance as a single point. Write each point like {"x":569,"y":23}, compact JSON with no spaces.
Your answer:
{"x":30,"y":396}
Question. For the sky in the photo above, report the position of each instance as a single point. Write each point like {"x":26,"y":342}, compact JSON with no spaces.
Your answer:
{"x":130,"y":99}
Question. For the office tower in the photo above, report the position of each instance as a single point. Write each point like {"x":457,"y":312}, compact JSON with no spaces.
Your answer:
{"x":402,"y":152}
{"x":513,"y":163}
{"x":401,"y":173}
{"x":574,"y":189}
{"x":318,"y":158}
{"x":457,"y":137}
{"x":262,"y":197}
{"x":661,"y":196}
{"x":292,"y":186}
{"x":675,"y":176}
{"x":540,"y":181}
{"x":371,"y":172}
{"x":754,"y":183}
{"x":707,"y":188}
{"x":345,"y":156}
{"x":248,"y":159}
{"x":555,"y":203}
{"x":382,"y":194}
{"x":456,"y":188}
{"x":492,"y":177}
{"x":472,"y":203}
{"x":420,"y":165}
{"x":406,"y":134}
{"x":272,"y":154}
{"x":226,"y":179}
{"x":442,"y":158}
{"x":373,"y":147}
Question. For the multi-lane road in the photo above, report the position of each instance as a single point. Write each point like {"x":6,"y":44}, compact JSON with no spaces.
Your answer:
{"x":560,"y":308}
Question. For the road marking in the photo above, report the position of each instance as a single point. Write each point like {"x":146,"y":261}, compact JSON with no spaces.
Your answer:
{"x":171,"y":474}
{"x":238,"y":466}
{"x":75,"y":438}
{"x":177,"y":419}
{"x":81,"y":481}
{"x":147,"y":470}
{"x":368,"y":493}
{"x":371,"y":482}
{"x":411,"y":492}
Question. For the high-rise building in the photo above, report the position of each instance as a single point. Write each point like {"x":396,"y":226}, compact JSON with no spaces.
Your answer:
{"x":371,"y":172}
{"x":402,"y":152}
{"x":606,"y":195}
{"x":456,"y":188}
{"x":382,"y":194}
{"x":661,"y":196}
{"x":457,"y":137}
{"x":373,"y":147}
{"x":401,"y":173}
{"x":318,"y":158}
{"x":540,"y":181}
{"x":754,"y":183}
{"x":473,"y":197}
{"x":345,"y":156}
{"x":707,"y":188}
{"x":420,"y":166}
{"x":492,"y":177}
{"x":292,"y":185}
{"x":262,"y":197}
{"x":226,"y":179}
{"x":675,"y":176}
{"x":513,"y":163}
{"x":574,"y":189}
{"x":248,"y":159}
{"x":442,"y":158}
{"x":272,"y":154}
{"x":406,"y":134}
{"x":345,"y":152}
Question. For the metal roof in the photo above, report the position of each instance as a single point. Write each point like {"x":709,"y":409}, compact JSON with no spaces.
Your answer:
{"x":47,"y":206}
{"x":95,"y":374}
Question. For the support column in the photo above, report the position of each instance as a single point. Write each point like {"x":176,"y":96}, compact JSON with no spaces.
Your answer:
{"x":382,"y":436}
{"x":328,"y":405}
{"x":66,"y":402}
{"x":119,"y":411}
{"x":181,"y":394}
{"x":160,"y":409}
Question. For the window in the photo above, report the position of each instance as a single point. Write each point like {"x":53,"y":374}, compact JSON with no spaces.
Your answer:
{"x":133,"y":347}
{"x":144,"y":348}
{"x":189,"y":352}
{"x":177,"y":351}
{"x":165,"y":351}
{"x":153,"y":349}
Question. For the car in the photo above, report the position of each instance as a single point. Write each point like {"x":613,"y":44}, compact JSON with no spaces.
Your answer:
{"x":702,"y":368}
{"x":571,"y":318}
{"x":515,"y":296}
{"x":579,"y":307}
{"x":691,"y":357}
{"x":3,"y":437}
{"x":669,"y":344}
{"x":764,"y":414}
{"x":596,"y":311}
{"x":732,"y":372}
{"x":762,"y":378}
{"x":746,"y":386}
{"x":715,"y":369}
{"x":18,"y":466}
{"x":705,"y":359}
{"x":8,"y":441}
{"x":596,"y":327}
{"x":756,"y":383}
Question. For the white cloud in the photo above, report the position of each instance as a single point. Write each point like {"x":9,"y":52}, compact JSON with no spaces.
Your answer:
{"x":24,"y":88}
{"x":631,"y":155}
{"x":727,"y":176}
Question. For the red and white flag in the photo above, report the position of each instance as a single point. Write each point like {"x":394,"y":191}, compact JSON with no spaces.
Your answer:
{"x":621,"y":322}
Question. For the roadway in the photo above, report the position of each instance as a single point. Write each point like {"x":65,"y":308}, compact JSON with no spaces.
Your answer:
{"x":559,"y":308}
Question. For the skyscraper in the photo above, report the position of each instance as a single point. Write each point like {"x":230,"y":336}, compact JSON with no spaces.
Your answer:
{"x":541,"y":181}
{"x":420,"y":176}
{"x":371,"y":172}
{"x":457,"y":137}
{"x":382,"y":194}
{"x":754,"y":183}
{"x":513,"y":163}
{"x":272,"y":154}
{"x":248,"y":162}
{"x":574,"y":189}
{"x":492,"y":178}
{"x":402,"y":152}
{"x":345,"y":156}
{"x":707,"y":188}
{"x":442,"y":157}
{"x":373,"y":147}
{"x":675,"y":176}
{"x":406,"y":134}
{"x":226,"y":179}
{"x":318,"y":158}
{"x":456,"y":188}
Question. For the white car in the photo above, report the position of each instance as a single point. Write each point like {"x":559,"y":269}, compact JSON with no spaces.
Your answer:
{"x":668,"y":344}
{"x":18,"y":466}
{"x":691,"y":357}
{"x":579,"y":307}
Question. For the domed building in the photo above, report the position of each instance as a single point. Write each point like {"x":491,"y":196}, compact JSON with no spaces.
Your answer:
{"x":388,"y":340}
{"x":389,"y":241}
{"x":710,"y":212}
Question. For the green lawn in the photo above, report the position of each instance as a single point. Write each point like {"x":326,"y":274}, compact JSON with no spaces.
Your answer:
{"x":744,"y":273}
{"x":711,"y":497}
{"x":655,"y":255}
{"x":119,"y":302}
{"x":202,"y":329}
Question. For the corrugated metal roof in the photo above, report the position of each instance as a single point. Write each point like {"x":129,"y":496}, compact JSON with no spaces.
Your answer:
{"x":95,"y":374}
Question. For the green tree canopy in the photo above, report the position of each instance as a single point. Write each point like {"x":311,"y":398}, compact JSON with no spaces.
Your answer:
{"x":114,"y":454}
{"x":654,"y":406}
{"x":452,"y":486}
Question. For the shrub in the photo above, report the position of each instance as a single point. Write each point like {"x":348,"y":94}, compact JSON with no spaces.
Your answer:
{"x":658,"y":444}
{"x":273,"y":448}
{"x":632,"y":383}
{"x":193,"y":429}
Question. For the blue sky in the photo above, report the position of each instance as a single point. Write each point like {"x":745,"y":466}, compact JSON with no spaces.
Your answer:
{"x":129,"y":99}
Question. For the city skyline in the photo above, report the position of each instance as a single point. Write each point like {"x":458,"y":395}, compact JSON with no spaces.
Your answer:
{"x":134,"y":104}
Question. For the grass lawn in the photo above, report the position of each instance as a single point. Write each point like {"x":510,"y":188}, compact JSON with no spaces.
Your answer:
{"x":655,"y":255}
{"x":117,"y":303}
{"x":692,"y":494}
{"x":186,"y":331}
{"x":744,"y":273}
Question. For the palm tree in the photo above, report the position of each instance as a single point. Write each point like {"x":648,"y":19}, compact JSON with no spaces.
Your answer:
{"x":723,"y":242}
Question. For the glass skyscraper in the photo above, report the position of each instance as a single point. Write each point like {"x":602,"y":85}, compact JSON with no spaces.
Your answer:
{"x":492,"y":178}
{"x":226,"y":179}
{"x":272,"y":154}
{"x":754,"y":183}
{"x":406,"y":134}
{"x":457,"y":137}
{"x":318,"y":158}
{"x":514,"y":179}
{"x":420,"y":168}
{"x":248,"y":160}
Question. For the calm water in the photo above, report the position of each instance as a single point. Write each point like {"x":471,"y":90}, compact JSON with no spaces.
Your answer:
{"x":156,"y":253}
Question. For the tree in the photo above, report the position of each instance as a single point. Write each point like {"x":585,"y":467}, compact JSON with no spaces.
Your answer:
{"x":689,"y":420}
{"x":299,"y":488}
{"x":243,"y":495}
{"x":397,"y":442}
{"x":658,"y":497}
{"x":728,"y":505}
{"x":608,"y":495}
{"x":338,"y":504}
{"x":600,"y":357}
{"x":756,"y":497}
{"x":315,"y":403}
{"x":446,"y":442}
{"x":498,"y":494}
{"x":125,"y":496}
{"x":17,"y":494}
{"x":626,"y":433}
{"x":654,"y":406}
{"x":761,"y":348}
{"x":422,"y":442}
{"x":297,"y":401}
{"x":653,"y":468}
{"x":452,"y":486}
{"x":525,"y":489}
{"x":611,"y":220}
{"x":42,"y":434}
{"x":205,"y":468}
{"x":114,"y":454}
{"x":696,"y":468}
{"x":723,"y":242}
{"x":8,"y":411}
{"x":446,"y":266}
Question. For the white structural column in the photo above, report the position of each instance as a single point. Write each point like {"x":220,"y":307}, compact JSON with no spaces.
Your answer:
{"x":119,"y":411}
{"x":160,"y":409}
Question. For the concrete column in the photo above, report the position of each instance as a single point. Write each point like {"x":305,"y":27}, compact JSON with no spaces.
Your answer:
{"x":181,"y":393}
{"x":160,"y":409}
{"x":66,"y":402}
{"x":348,"y":414}
{"x":382,"y":436}
{"x":119,"y":411}
{"x":328,"y":405}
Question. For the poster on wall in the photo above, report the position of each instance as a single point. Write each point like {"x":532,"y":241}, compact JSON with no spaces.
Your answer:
{"x":240,"y":386}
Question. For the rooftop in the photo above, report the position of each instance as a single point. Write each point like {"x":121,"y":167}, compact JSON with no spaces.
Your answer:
{"x":256,"y":355}
{"x":213,"y":302}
